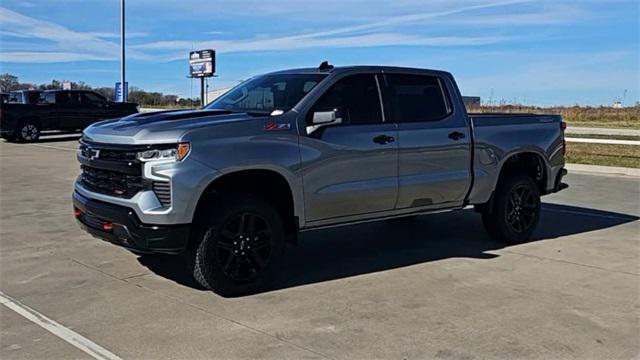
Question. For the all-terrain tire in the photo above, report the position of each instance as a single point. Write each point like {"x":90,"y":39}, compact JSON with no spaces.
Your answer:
{"x":237,"y":245}
{"x":515,"y":211}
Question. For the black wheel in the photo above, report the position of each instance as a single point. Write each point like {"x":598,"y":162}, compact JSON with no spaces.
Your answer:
{"x":516,"y":210}
{"x":28,"y":131}
{"x":237,"y":245}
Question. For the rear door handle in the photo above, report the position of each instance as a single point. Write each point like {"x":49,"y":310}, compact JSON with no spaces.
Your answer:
{"x":456,"y":135}
{"x":383,"y":139}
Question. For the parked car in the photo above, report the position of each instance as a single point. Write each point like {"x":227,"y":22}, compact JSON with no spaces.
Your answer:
{"x":25,"y":96}
{"x":67,"y":110}
{"x":306,"y":149}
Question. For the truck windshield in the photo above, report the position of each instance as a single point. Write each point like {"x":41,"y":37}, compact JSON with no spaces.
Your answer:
{"x":267,"y":93}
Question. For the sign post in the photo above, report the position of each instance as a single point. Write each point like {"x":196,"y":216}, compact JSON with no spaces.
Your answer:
{"x":124,"y":95}
{"x":202,"y":64}
{"x":120,"y":93}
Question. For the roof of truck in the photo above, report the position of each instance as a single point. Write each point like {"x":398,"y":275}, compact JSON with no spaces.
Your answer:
{"x":341,"y":69}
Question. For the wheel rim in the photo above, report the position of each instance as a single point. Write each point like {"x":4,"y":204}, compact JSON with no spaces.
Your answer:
{"x":29,"y":132}
{"x":521,"y":208}
{"x":244,"y":246}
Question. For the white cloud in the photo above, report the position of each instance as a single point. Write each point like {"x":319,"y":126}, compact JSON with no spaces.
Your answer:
{"x":346,"y":36}
{"x":65,"y":42}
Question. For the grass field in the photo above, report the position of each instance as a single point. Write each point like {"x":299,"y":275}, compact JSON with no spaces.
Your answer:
{"x":606,"y":117}
{"x":603,"y":154}
{"x":596,"y":136}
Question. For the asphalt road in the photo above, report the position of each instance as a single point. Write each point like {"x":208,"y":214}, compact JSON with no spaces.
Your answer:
{"x":434,"y":287}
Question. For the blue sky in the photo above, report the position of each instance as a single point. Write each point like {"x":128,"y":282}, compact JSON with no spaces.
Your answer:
{"x":545,"y":52}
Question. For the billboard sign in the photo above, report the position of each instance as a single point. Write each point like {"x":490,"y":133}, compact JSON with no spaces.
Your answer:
{"x":66,"y":85}
{"x":202,"y":63}
{"x":120,"y":94}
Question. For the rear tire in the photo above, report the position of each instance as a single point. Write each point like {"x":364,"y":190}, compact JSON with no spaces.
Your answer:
{"x":237,"y":245}
{"x":515,"y":212}
{"x":28,"y":131}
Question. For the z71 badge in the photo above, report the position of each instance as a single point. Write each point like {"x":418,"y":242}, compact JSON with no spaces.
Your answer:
{"x":277,"y":127}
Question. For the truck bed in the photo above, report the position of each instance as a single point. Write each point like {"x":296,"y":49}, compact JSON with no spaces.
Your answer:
{"x":498,"y":135}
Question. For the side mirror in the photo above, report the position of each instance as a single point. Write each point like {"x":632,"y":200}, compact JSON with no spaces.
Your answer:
{"x":324,"y":118}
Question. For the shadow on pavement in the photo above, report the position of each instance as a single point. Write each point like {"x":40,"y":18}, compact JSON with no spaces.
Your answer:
{"x":360,"y":249}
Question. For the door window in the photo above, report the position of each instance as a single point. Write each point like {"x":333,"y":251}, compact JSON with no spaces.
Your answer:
{"x":91,"y":99}
{"x":417,"y":98}
{"x":355,"y":97}
{"x":68,"y":98}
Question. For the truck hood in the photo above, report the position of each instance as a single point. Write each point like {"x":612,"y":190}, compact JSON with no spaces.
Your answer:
{"x":157,"y":127}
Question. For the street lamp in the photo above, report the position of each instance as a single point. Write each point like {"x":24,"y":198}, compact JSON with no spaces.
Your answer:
{"x":123,"y":87}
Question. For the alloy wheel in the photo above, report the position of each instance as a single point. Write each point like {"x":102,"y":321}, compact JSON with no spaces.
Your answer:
{"x":521,"y":208}
{"x":29,"y":132}
{"x":244,"y":246}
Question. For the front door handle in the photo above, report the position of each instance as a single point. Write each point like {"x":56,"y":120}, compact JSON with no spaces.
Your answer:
{"x":383,"y":139}
{"x":456,"y":135}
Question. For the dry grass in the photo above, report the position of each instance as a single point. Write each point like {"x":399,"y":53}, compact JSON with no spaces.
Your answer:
{"x":579,"y":116}
{"x":603,"y":154}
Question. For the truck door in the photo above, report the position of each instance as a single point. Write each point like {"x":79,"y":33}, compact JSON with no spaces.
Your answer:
{"x":95,"y":108}
{"x":350,"y":168}
{"x":70,"y":114}
{"x":434,"y":145}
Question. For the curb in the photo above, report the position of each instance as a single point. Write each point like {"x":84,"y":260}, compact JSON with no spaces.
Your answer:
{"x":604,"y":170}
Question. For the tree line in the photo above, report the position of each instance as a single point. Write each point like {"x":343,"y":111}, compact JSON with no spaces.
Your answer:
{"x":9,"y":82}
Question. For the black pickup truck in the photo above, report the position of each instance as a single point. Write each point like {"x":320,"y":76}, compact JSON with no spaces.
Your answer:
{"x":66,"y":110}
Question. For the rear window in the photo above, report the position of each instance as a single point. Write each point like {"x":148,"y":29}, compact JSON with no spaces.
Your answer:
{"x":47,"y":98}
{"x":417,"y":98}
{"x":16,"y":97}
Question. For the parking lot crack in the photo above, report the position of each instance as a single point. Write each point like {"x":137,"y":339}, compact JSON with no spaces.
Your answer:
{"x":571,"y":262}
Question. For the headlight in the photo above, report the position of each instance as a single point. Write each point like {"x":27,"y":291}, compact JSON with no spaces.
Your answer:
{"x":179,"y":152}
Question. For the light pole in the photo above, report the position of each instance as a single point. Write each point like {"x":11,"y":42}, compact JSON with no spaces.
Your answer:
{"x":122,"y":76}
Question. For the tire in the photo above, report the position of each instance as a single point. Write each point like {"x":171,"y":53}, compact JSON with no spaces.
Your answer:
{"x":9,"y":138}
{"x":237,"y":245}
{"x":515,"y":212}
{"x":27,"y":131}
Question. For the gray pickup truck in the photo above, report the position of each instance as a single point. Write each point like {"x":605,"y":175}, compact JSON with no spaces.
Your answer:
{"x":298,"y":150}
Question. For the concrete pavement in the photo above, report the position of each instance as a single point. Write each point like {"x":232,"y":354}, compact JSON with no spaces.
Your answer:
{"x":435,"y":287}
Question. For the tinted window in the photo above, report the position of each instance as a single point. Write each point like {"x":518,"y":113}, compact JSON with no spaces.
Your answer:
{"x":92,"y":99}
{"x":47,"y":98}
{"x":267,"y":93}
{"x":356,"y":98}
{"x":16,"y":97}
{"x":68,"y":98}
{"x":416,"y":98}
{"x":33,"y":97}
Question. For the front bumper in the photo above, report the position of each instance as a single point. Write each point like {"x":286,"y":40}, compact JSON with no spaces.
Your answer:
{"x":120,"y":225}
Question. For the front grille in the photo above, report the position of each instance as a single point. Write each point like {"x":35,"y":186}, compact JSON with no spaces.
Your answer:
{"x":162,"y":190}
{"x":111,"y":182}
{"x":117,"y":155}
